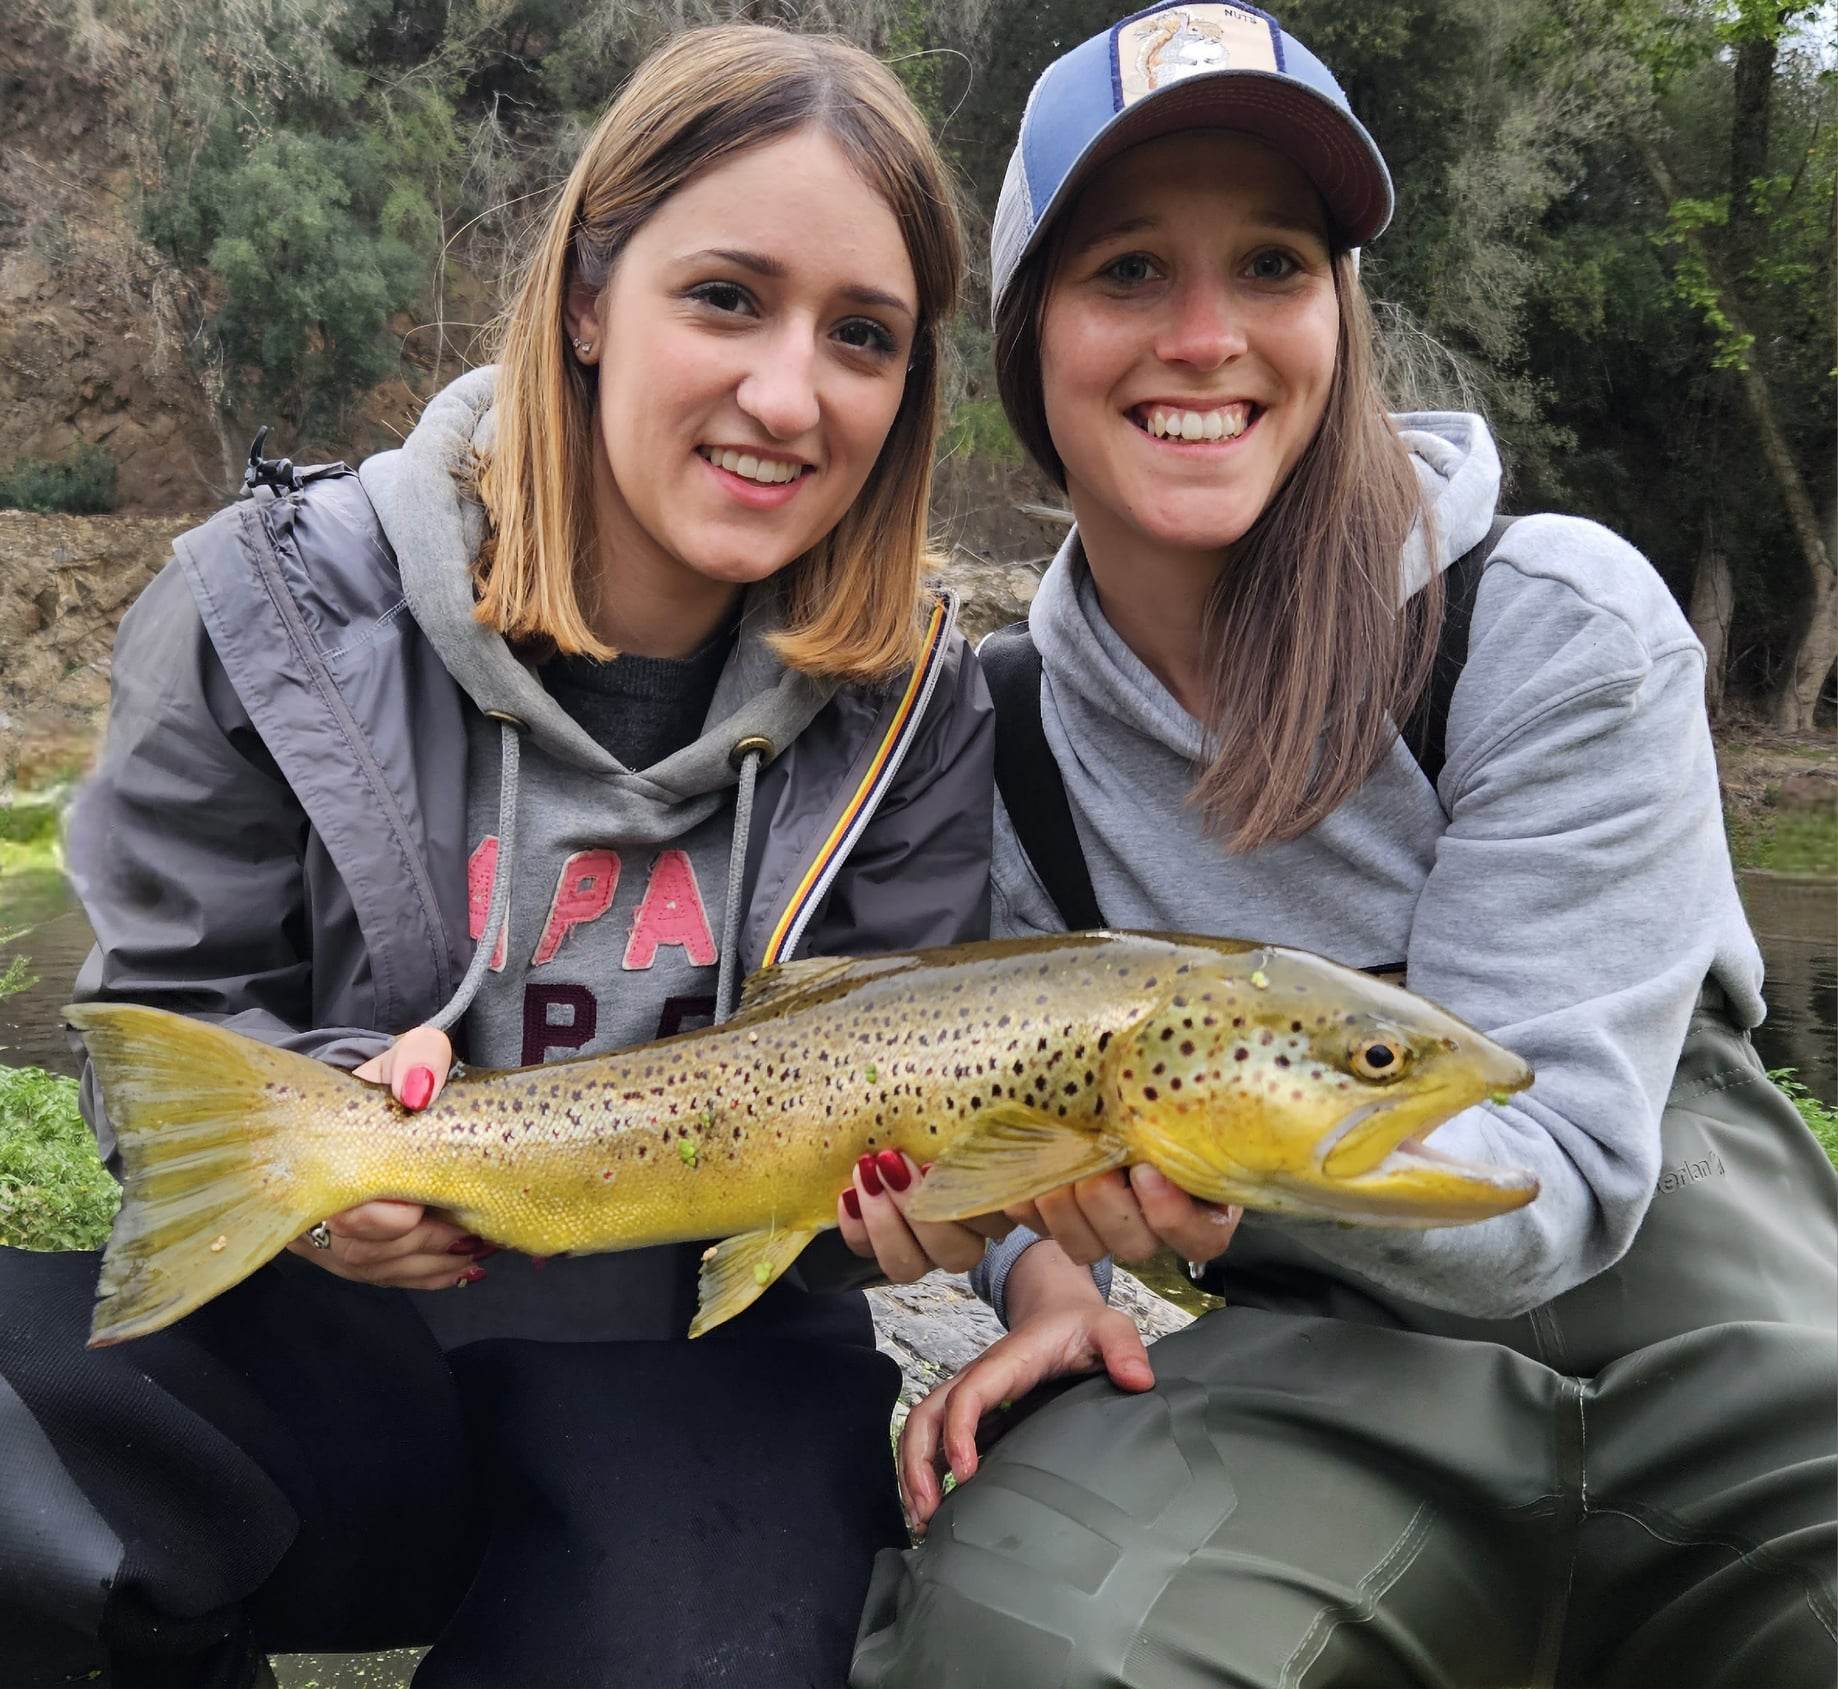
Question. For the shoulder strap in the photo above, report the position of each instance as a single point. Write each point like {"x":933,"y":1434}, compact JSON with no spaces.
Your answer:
{"x":1029,"y":780}
{"x":1427,"y":730}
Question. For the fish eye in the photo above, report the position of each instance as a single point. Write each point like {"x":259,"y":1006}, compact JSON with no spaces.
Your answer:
{"x":1378,"y":1057}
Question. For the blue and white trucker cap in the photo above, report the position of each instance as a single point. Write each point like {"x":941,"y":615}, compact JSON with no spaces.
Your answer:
{"x":1174,"y":67}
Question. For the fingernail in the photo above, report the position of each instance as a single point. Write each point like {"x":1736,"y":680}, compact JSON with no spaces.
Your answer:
{"x":538,"y":1262}
{"x":870,"y":1178}
{"x":417,"y":1087}
{"x":465,"y":1246}
{"x":852,"y":1203}
{"x":471,"y":1275}
{"x":893,"y":1168}
{"x":926,"y":1167}
{"x":487,"y":1252}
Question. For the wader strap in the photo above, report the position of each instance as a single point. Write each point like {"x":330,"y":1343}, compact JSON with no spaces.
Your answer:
{"x":1426,"y":732}
{"x":1029,"y":780}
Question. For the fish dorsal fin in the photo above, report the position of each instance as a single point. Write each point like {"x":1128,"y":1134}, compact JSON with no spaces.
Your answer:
{"x":1012,"y":1154}
{"x":775,"y":989}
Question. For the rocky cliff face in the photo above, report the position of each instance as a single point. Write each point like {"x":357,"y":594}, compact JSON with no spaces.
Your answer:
{"x":91,"y":339}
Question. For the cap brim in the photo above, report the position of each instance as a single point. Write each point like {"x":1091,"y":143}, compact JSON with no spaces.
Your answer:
{"x":1328,"y":144}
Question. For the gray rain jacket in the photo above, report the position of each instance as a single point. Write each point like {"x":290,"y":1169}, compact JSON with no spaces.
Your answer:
{"x":274,"y":837}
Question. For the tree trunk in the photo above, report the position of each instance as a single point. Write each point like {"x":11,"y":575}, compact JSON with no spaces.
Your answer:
{"x":1797,"y":702}
{"x":1713,"y":605}
{"x":1818,"y":647}
{"x":1749,"y":140}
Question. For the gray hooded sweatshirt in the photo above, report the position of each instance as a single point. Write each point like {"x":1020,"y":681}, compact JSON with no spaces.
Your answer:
{"x":1565,"y":887}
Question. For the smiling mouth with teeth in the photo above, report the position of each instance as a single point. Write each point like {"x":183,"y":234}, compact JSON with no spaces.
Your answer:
{"x":1167,"y":422}
{"x":768,"y":471}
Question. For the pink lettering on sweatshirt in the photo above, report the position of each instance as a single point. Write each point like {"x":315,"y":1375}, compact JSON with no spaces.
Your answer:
{"x":583,"y":892}
{"x":671,"y":913}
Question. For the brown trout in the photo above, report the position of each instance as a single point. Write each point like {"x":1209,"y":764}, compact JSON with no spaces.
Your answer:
{"x":1246,"y":1073}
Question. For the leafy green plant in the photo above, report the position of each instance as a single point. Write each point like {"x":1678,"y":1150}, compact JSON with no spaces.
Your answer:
{"x":54,"y":1191}
{"x":80,"y":483}
{"x":1821,"y":1117}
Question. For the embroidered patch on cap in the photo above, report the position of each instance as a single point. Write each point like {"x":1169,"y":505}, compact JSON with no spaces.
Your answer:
{"x":1159,"y":48}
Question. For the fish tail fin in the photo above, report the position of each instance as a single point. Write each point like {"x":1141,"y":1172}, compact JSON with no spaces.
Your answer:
{"x":217,"y":1172}
{"x":737,"y":1271}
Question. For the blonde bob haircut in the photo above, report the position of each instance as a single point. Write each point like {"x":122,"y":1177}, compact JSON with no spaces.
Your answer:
{"x":851,"y":601}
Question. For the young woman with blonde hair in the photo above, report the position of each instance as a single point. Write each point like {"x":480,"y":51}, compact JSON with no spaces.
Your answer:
{"x":616,"y":682}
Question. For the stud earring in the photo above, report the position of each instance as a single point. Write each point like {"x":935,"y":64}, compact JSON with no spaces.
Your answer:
{"x":582,"y":347}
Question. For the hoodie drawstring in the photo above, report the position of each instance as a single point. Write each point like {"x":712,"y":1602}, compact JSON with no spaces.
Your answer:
{"x":747,"y":756}
{"x":495,"y":916}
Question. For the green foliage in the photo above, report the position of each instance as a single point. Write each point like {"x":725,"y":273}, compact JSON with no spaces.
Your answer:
{"x":977,"y":428}
{"x":1784,"y":841}
{"x":1691,"y":278}
{"x":80,"y":483}
{"x":1821,"y":1117}
{"x":310,"y":236}
{"x":28,"y":823}
{"x":54,"y":1192}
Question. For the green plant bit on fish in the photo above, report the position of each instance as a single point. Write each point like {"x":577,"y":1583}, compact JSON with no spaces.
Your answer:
{"x":1260,"y":979}
{"x":1500,"y":1098}
{"x":706,"y":1116}
{"x":870,"y":1074}
{"x":762,"y":1274}
{"x":687,"y":1148}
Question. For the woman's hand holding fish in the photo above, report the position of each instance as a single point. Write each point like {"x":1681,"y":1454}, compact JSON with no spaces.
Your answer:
{"x":871,"y":1213}
{"x":401,"y":1244}
{"x":1060,"y":1326}
{"x":1129,"y":1217}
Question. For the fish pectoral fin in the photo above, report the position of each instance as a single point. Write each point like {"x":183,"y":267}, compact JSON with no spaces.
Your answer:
{"x":737,"y":1271}
{"x":1012,"y":1154}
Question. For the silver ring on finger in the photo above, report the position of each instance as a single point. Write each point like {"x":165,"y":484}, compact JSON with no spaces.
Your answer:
{"x":320,"y":1237}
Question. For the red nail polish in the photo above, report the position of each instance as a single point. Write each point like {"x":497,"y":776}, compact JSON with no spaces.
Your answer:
{"x":538,"y":1262}
{"x":893,"y":1168}
{"x":870,"y":1177}
{"x":417,"y":1087}
{"x":465,"y":1246}
{"x":852,"y":1203}
{"x":471,"y":1275}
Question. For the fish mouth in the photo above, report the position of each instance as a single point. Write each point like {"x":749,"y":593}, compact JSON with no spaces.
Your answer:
{"x":1376,"y":1164}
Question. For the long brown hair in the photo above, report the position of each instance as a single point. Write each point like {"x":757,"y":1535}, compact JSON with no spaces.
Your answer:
{"x":705,"y":96}
{"x":1314,"y":658}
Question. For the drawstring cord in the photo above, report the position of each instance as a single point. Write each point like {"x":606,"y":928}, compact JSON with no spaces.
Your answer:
{"x":495,"y":916}
{"x":747,"y":756}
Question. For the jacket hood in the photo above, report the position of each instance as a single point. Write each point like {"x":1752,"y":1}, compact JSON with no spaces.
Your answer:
{"x":1458,"y":468}
{"x":436,"y":528}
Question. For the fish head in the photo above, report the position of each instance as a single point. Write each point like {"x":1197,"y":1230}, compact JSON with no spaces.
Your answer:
{"x":1280,"y":1080}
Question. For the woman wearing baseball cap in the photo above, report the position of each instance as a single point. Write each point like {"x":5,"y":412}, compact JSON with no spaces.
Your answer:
{"x":1291,"y":677}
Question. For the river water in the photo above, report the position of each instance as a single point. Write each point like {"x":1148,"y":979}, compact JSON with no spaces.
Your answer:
{"x":1795,"y":917}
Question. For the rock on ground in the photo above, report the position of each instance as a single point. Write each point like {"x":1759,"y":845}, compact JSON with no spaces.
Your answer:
{"x":938,"y":1326}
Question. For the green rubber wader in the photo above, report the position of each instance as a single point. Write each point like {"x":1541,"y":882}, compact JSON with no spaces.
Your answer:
{"x":1632,"y":1488}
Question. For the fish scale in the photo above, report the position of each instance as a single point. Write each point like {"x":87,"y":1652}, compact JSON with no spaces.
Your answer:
{"x":1247,"y":1073}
